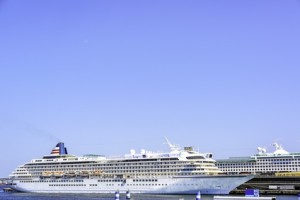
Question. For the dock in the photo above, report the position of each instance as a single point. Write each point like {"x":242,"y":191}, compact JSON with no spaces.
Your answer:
{"x":272,"y":185}
{"x":268,"y":192}
{"x":242,"y":198}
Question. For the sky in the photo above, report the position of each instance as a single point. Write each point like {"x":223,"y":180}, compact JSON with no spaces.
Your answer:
{"x":105,"y":77}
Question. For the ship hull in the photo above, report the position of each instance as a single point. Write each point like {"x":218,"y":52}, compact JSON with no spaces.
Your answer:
{"x":174,"y":185}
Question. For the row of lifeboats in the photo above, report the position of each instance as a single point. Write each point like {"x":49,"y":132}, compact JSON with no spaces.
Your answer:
{"x":297,"y":173}
{"x":72,"y":174}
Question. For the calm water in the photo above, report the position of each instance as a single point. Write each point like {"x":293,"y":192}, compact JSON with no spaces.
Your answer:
{"x":27,"y":196}
{"x":31,"y":196}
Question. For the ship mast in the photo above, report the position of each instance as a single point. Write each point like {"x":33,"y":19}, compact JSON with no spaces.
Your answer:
{"x":172,"y":147}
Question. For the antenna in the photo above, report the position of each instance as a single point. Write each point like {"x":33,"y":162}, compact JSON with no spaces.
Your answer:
{"x":277,"y":146}
{"x":173,"y":147}
{"x":261,"y":150}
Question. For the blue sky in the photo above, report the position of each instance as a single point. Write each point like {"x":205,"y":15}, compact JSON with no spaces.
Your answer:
{"x":109,"y":76}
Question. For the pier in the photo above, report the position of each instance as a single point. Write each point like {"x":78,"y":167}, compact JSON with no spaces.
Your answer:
{"x":272,"y":185}
{"x":242,"y":198}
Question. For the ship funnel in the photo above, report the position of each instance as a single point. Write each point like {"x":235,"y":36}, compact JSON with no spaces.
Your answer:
{"x":60,"y":149}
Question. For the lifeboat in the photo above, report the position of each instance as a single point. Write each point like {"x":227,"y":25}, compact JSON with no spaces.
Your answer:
{"x":70,"y":174}
{"x":58,"y":174}
{"x":97,"y":172}
{"x":46,"y":174}
{"x":83,"y":173}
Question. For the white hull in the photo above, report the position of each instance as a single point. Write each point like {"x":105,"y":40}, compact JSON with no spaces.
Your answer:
{"x":182,"y":185}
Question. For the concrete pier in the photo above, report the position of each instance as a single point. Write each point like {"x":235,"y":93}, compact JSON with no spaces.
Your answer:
{"x":242,"y":198}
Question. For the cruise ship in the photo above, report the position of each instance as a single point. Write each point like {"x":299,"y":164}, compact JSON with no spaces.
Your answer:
{"x":278,"y":163}
{"x":180,"y":171}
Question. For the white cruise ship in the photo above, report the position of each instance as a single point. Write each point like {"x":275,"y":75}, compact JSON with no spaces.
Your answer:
{"x":181,"y":171}
{"x":263,"y":163}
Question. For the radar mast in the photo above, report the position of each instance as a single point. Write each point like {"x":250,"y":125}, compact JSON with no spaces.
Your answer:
{"x":173,"y":147}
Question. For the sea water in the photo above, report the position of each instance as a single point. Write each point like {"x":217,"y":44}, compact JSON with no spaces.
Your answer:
{"x":39,"y":196}
{"x":33,"y":196}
